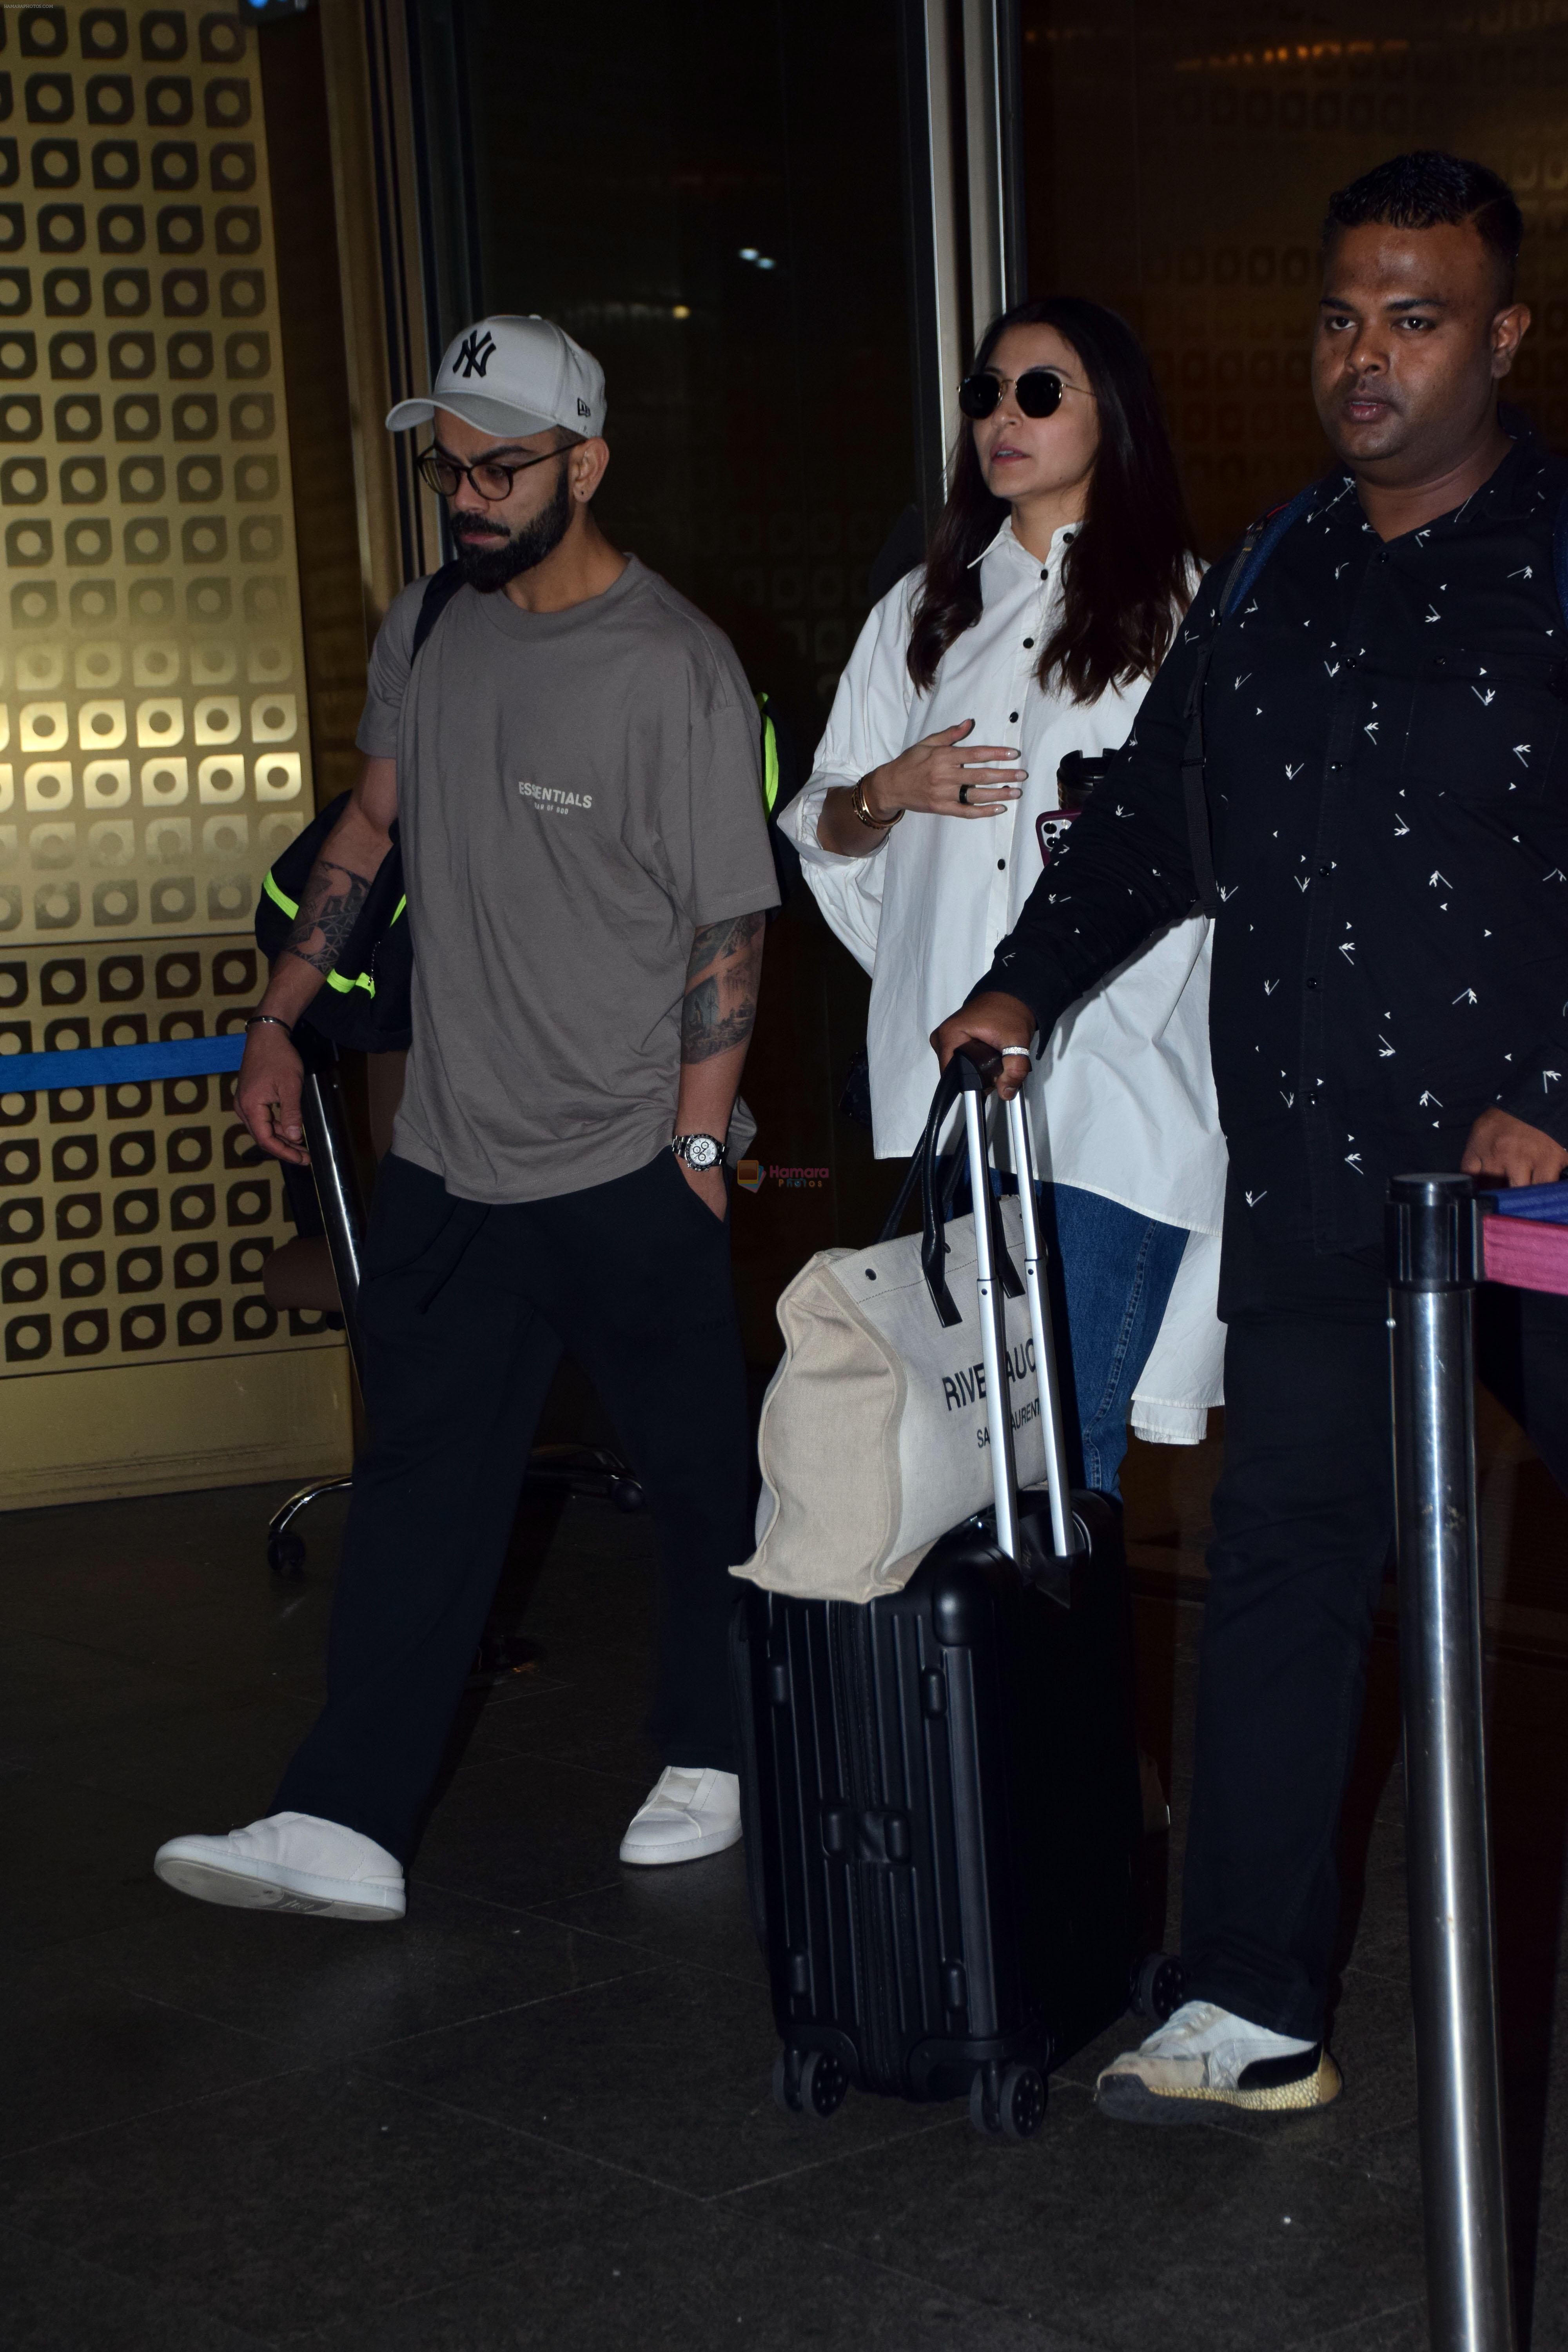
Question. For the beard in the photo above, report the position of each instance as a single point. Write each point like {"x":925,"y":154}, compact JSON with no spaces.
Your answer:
{"x":491,"y":557}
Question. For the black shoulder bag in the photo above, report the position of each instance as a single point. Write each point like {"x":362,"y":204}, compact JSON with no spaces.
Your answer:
{"x":365,"y":1001}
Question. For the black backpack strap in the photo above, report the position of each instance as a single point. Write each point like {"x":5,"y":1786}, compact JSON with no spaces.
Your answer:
{"x":1261,"y":540}
{"x":1194,"y":792}
{"x":440,"y":591}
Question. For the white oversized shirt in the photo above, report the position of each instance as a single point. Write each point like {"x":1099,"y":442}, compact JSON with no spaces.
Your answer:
{"x":1122,"y":1100}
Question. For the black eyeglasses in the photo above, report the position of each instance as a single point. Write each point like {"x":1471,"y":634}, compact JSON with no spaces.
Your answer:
{"x":1040,"y":392}
{"x":493,"y":479}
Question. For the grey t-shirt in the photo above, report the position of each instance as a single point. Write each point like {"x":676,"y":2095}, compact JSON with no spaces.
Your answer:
{"x":577,"y":793}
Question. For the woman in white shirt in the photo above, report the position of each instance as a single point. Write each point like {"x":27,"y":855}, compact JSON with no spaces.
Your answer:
{"x":1059,"y":569}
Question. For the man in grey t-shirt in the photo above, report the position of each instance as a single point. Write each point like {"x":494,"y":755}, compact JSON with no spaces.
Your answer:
{"x":571,"y":759}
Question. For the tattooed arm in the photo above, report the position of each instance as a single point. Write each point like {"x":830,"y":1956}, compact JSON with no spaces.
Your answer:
{"x":267,"y":1093}
{"x":716,"y":1018}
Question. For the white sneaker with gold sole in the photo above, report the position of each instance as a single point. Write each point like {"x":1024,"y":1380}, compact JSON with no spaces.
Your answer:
{"x":1203,"y":2057}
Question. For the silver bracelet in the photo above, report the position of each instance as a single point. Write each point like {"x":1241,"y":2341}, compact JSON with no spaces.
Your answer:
{"x":272,"y":1021}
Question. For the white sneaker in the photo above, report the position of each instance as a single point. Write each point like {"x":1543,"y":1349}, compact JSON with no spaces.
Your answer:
{"x":290,"y":1862}
{"x":688,"y":1813}
{"x":1204,"y":2055}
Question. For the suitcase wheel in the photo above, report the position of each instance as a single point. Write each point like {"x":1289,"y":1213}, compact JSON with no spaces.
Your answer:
{"x":1014,"y":2109}
{"x":815,"y":2085}
{"x":1156,"y":1990}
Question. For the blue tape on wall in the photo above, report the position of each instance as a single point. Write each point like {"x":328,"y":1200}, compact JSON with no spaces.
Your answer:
{"x":119,"y":1065}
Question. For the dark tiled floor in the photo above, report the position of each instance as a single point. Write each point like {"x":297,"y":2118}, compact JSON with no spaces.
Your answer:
{"x":537,"y":2113}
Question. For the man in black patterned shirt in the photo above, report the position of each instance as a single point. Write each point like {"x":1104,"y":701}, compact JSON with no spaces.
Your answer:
{"x":1386,"y":771}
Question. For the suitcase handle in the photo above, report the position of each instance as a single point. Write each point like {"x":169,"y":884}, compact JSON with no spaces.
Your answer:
{"x":968,"y":1079}
{"x":1066,"y":1537}
{"x":998,"y":1281}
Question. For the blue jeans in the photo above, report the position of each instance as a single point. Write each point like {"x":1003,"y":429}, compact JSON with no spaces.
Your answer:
{"x":1111,"y":1272}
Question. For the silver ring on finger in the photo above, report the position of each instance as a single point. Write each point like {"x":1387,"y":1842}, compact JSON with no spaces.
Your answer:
{"x":963,"y":793}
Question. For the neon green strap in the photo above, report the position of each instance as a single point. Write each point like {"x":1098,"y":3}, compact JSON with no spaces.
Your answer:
{"x":336,"y":979}
{"x":770,"y":764}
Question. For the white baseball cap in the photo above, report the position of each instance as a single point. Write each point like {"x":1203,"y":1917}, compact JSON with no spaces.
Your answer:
{"x":513,"y":376}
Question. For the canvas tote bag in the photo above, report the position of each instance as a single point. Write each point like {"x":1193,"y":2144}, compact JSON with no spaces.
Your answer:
{"x":873,"y":1440}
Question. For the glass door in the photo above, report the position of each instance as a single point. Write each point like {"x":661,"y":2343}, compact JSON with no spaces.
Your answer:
{"x":1178,"y":167}
{"x":713,"y":201}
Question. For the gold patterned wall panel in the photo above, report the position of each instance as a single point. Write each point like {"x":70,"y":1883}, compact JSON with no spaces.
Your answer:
{"x":154,"y":744}
{"x":154,"y":755}
{"x":1181,"y":154}
{"x":135,"y":1220}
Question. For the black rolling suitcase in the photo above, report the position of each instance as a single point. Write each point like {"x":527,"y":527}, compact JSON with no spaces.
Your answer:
{"x":942,"y":1816}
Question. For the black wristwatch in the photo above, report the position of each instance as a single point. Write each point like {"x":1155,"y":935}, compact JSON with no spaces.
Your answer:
{"x":698,"y":1152}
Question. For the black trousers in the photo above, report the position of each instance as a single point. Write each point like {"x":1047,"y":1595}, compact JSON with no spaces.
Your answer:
{"x":466,"y":1310}
{"x":1303,"y":1518}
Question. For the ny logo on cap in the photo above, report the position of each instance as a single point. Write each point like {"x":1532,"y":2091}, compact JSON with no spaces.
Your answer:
{"x":474,"y":357}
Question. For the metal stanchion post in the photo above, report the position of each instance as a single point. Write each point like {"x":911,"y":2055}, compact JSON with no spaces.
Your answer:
{"x":1432,"y":1273}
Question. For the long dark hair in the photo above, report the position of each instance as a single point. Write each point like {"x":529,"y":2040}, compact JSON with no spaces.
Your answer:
{"x":1127,"y":574}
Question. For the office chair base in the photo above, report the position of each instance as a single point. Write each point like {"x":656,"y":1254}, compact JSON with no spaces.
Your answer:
{"x":591,"y":1470}
{"x":285,"y":1550}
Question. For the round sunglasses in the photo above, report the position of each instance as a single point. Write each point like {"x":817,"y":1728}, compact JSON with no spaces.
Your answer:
{"x":1040,"y":392}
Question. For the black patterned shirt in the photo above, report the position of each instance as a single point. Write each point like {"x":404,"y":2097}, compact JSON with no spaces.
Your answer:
{"x":1387,"y":729}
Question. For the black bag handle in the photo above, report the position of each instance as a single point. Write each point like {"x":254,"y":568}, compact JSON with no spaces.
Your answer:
{"x":947,"y":1187}
{"x":960,"y":1077}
